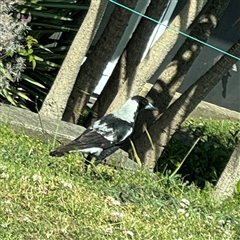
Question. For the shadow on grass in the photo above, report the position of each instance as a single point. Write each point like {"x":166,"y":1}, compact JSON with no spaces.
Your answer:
{"x":208,"y":158}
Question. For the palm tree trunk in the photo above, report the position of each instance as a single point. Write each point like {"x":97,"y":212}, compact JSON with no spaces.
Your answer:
{"x":56,"y":100}
{"x":172,"y":77}
{"x":170,"y":121}
{"x":92,"y":69}
{"x":230,"y":177}
{"x":148,"y":67}
{"x":130,"y":58}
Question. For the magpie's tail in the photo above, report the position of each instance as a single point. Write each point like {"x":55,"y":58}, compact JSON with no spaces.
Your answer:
{"x":56,"y":153}
{"x":59,"y":152}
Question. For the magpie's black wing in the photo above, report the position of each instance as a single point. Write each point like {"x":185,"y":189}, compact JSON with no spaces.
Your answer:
{"x":114,"y":129}
{"x":104,"y":134}
{"x":90,"y":139}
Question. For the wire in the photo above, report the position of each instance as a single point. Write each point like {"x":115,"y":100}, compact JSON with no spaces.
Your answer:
{"x":174,"y":29}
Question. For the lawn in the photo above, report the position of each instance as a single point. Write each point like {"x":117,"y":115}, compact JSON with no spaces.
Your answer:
{"x":60,"y":198}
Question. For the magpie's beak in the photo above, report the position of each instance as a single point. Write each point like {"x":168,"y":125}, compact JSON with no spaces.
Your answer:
{"x":150,"y":107}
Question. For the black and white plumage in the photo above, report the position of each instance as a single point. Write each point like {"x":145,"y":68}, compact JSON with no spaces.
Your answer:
{"x":109,"y":132}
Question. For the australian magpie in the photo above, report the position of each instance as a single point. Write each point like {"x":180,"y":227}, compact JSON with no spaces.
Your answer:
{"x":107,"y":134}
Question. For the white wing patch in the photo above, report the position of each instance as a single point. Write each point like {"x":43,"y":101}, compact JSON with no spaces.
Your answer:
{"x":104,"y":130}
{"x":94,"y":150}
{"x":101,"y":127}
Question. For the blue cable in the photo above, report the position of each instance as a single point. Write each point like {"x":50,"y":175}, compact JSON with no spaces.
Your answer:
{"x":173,"y":29}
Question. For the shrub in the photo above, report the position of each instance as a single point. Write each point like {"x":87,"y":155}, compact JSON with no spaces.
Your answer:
{"x":13,"y":31}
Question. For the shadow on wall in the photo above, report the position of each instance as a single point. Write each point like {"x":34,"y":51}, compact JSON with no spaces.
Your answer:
{"x":227,"y":92}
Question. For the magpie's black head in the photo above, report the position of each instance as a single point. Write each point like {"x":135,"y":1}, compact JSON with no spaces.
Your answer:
{"x":130,"y":109}
{"x":143,"y":103}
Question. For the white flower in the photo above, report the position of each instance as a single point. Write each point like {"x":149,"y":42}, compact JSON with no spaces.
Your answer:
{"x":4,"y":225}
{"x":184,"y":203}
{"x":8,"y":201}
{"x":130,"y":233}
{"x":43,"y":190}
{"x":8,"y":210}
{"x":116,"y":216}
{"x":64,"y":230}
{"x":4,"y":175}
{"x":37,"y":178}
{"x":26,"y":219}
{"x":181,"y":211}
{"x":24,"y":178}
{"x":108,"y":230}
{"x":112,"y":201}
{"x":67,"y":185}
{"x":227,"y":232}
{"x":221,"y":222}
{"x":3,"y":167}
{"x":229,"y":221}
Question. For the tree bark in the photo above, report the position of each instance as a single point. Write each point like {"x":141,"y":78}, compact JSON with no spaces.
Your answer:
{"x":92,"y":69}
{"x":129,"y":59}
{"x":148,"y":67}
{"x":170,"y":121}
{"x":227,"y":183}
{"x":56,"y":100}
{"x":172,"y":77}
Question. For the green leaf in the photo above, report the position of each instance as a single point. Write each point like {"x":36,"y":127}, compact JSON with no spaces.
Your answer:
{"x":23,"y":52}
{"x":238,"y":187}
{"x":9,"y":97}
{"x":28,"y":79}
{"x":34,"y":63}
{"x":22,"y":106}
{"x":52,"y":64}
{"x":31,"y":39}
{"x":48,"y":15}
{"x":55,"y":26}
{"x":23,"y":95}
{"x":10,"y":53}
{"x":30,"y":51}
{"x":44,"y":48}
{"x":30,"y":58}
{"x":6,"y":73}
{"x":38,"y":58}
{"x":64,"y":6}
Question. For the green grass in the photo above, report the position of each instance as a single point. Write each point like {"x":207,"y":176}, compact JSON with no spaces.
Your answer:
{"x":58,"y":198}
{"x":209,"y":157}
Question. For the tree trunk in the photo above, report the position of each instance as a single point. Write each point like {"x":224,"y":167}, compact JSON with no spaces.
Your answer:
{"x":172,"y":77}
{"x":56,"y":100}
{"x":92,"y":69}
{"x":148,"y":67}
{"x":170,"y":121}
{"x":227,"y":183}
{"x":129,"y":59}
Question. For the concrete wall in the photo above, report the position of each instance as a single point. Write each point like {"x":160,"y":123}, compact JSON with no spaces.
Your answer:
{"x":227,"y":91}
